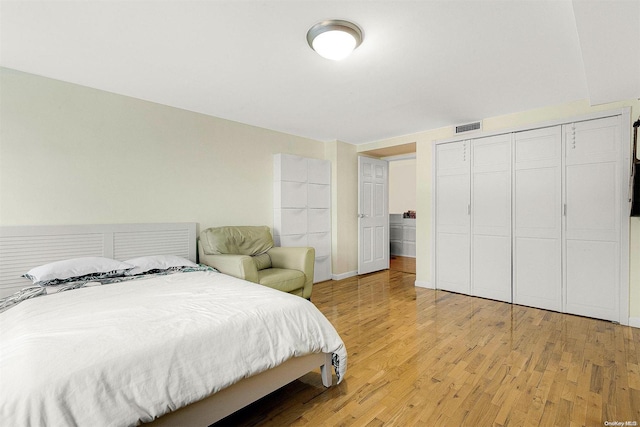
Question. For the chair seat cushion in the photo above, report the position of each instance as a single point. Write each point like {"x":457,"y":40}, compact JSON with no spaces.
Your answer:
{"x":281,"y":279}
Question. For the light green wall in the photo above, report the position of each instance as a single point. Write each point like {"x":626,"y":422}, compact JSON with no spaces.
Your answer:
{"x":75,"y":155}
{"x":424,"y":142}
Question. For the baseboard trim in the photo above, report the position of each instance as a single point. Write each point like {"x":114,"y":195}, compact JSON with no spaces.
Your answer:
{"x":634,"y":322}
{"x":423,"y":284}
{"x":344,"y":275}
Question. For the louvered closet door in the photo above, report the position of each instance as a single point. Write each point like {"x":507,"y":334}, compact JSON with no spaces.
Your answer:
{"x":592,"y":221}
{"x":452,"y":216}
{"x":537,"y":218}
{"x":491,"y":218}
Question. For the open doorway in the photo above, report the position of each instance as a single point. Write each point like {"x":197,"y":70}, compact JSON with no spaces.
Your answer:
{"x":402,"y":213}
{"x":401,"y":199}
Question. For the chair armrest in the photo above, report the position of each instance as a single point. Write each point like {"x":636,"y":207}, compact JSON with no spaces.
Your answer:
{"x":240,"y":266}
{"x":292,"y":258}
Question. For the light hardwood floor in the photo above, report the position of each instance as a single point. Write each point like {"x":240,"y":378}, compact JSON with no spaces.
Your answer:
{"x":403,"y":263}
{"x":433,"y":358}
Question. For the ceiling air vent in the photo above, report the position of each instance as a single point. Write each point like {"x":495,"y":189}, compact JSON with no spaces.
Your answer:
{"x":468,"y":127}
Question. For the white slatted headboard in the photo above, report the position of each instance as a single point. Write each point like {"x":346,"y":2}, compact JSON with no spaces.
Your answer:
{"x":25,"y":247}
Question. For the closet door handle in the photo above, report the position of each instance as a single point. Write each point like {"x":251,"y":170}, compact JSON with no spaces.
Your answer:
{"x":564,"y":210}
{"x":469,"y":209}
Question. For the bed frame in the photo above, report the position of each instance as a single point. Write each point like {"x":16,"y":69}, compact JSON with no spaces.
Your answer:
{"x":25,"y":247}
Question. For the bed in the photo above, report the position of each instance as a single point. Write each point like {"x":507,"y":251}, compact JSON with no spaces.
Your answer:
{"x":186,"y":348}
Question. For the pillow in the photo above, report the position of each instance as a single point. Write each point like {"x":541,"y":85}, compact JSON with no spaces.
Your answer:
{"x":85,"y":268}
{"x":156,"y":262}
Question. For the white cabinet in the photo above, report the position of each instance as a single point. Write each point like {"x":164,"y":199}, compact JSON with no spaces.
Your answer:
{"x":402,"y":235}
{"x":534,"y":217}
{"x":302,"y":207}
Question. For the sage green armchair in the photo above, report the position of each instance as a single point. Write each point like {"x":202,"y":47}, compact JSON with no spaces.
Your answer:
{"x":248,"y":252}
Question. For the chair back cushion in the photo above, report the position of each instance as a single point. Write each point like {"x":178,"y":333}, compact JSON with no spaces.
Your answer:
{"x":238,"y":240}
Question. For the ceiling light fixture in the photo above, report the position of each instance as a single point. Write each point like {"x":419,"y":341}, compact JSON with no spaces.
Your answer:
{"x":334,"y":39}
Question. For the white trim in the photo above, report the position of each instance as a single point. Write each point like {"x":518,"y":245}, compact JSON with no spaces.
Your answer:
{"x":344,"y":275}
{"x":433,"y":214}
{"x":625,"y":209}
{"x":634,"y":322}
{"x":424,"y":284}
{"x":407,"y":156}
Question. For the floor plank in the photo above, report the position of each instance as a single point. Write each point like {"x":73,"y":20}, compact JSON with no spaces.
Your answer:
{"x":425,"y":357}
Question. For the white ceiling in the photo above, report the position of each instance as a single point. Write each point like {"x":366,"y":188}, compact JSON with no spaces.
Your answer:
{"x":422,"y":65}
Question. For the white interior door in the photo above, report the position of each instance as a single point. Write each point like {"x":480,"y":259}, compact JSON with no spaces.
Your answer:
{"x":592,"y":218}
{"x":373,"y":215}
{"x":537,"y":219}
{"x":491,"y":218}
{"x":453,"y":216}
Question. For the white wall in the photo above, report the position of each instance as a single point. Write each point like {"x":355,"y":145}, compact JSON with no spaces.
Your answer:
{"x":75,"y":155}
{"x":402,"y":186}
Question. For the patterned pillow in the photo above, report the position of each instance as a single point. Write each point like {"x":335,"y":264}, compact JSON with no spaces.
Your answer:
{"x":76,"y":269}
{"x":156,"y":262}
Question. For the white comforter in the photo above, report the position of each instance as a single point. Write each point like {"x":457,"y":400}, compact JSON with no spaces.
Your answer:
{"x":118,"y":354}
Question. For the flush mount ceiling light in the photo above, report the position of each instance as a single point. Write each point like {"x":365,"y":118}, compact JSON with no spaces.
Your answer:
{"x":334,"y":39}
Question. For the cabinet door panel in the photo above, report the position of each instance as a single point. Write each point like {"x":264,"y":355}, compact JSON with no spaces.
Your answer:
{"x":491,"y":204}
{"x":318,"y":220}
{"x":319,"y":196}
{"x":537,"y":208}
{"x":289,"y":194}
{"x":318,"y":171}
{"x":537,"y":272}
{"x":321,"y":242}
{"x":452,"y":217}
{"x":395,"y":232}
{"x":292,"y":221}
{"x":293,"y":240}
{"x":492,"y":267}
{"x":288,"y":167}
{"x":452,"y":203}
{"x":453,"y":262}
{"x":537,"y":228}
{"x":322,"y":269}
{"x":592,"y":221}
{"x":592,"y":208}
{"x":491,"y":218}
{"x":592,"y":279}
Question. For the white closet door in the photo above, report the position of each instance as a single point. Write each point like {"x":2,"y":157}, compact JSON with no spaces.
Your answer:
{"x":592,"y":219}
{"x":452,"y":216}
{"x":537,"y":218}
{"x":491,"y":218}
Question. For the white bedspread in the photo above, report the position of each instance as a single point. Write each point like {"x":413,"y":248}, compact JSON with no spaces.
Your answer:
{"x":118,"y":354}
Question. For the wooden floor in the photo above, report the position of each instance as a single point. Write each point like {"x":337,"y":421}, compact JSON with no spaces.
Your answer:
{"x":403,"y":263}
{"x":433,"y":358}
